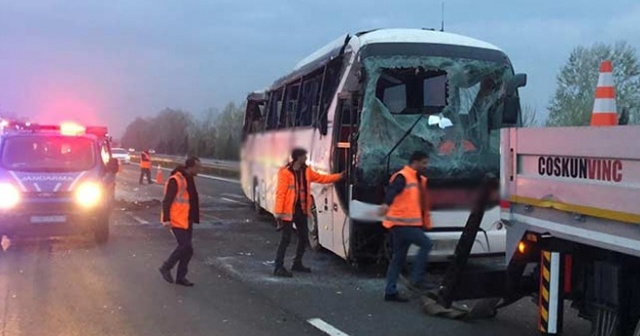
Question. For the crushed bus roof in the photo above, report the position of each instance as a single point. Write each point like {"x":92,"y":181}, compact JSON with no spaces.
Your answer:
{"x":391,"y":36}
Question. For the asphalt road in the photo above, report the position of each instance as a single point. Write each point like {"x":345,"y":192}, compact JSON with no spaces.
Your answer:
{"x":70,"y":286}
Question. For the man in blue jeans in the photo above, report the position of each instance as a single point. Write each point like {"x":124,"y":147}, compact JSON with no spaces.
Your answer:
{"x":405,"y":212}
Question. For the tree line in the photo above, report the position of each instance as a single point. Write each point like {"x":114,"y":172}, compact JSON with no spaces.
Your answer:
{"x":213,"y":134}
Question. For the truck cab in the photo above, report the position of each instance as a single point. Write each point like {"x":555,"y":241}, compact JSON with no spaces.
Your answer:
{"x":55,"y":180}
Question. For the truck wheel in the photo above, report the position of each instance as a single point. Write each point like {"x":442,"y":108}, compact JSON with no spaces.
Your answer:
{"x":101,"y":232}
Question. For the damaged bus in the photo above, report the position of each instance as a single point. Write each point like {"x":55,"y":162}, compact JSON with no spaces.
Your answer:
{"x":362,"y":104}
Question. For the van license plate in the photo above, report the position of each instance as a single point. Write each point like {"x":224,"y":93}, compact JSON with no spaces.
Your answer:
{"x":48,"y":219}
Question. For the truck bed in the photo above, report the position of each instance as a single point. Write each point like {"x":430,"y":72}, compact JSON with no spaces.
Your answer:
{"x":577,"y":183}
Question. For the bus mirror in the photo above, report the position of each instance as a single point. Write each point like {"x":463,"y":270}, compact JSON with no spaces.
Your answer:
{"x":441,"y":121}
{"x":511,"y":108}
{"x":512,"y":101}
{"x":517,"y":81}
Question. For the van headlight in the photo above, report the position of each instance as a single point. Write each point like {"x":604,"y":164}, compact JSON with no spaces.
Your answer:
{"x":88,"y":194}
{"x":9,"y":196}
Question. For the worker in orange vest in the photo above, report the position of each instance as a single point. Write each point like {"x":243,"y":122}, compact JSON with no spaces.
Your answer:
{"x":145,"y":166}
{"x":293,"y":205}
{"x":406,"y":215}
{"x":180,"y":210}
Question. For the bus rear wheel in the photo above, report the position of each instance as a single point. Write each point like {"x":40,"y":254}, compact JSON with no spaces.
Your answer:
{"x":312,"y":225}
{"x":257,"y":207}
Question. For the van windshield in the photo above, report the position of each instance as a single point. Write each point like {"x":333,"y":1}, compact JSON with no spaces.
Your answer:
{"x":48,"y":154}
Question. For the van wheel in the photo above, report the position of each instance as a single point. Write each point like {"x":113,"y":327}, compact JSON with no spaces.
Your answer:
{"x":312,"y":225}
{"x":101,"y":232}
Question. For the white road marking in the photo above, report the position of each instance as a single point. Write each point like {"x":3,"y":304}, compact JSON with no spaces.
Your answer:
{"x":233,"y":195}
{"x":220,"y":179}
{"x":139,"y":220}
{"x":325,"y":327}
{"x":232,"y":201}
{"x":210,"y":216}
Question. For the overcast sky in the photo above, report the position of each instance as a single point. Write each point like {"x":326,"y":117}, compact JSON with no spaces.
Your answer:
{"x":110,"y":61}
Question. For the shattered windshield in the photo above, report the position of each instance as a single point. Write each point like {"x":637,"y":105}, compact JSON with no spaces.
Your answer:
{"x":402,"y":88}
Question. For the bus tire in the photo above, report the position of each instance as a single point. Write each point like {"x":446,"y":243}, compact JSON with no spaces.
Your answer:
{"x":313,"y":231}
{"x":257,"y":207}
{"x":101,"y":231}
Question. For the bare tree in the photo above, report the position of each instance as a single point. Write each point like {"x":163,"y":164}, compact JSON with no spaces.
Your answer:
{"x":530,"y":116}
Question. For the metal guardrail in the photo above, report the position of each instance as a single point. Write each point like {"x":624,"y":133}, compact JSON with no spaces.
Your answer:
{"x":211,"y":166}
{"x":205,"y":161}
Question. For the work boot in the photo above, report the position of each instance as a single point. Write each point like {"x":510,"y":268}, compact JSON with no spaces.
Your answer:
{"x":166,"y":274}
{"x":395,"y":298}
{"x":282,"y":272}
{"x":184,"y":282}
{"x":298,"y":267}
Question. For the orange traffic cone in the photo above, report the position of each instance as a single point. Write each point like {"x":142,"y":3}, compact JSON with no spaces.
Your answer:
{"x":604,"y":107}
{"x":159,"y":178}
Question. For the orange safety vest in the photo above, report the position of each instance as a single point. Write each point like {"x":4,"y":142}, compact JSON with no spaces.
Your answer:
{"x":287,"y":191}
{"x":406,"y":209}
{"x":179,"y":210}
{"x":145,"y":161}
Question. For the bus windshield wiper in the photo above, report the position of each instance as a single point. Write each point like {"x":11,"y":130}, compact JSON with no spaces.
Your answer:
{"x":404,"y":136}
{"x":441,"y":121}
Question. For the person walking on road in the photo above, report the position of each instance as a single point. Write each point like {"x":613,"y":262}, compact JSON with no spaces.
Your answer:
{"x":180,"y":210}
{"x":406,"y":214}
{"x":145,"y":166}
{"x":293,"y":205}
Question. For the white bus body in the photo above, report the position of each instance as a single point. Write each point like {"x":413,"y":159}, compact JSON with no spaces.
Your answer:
{"x":335,"y":86}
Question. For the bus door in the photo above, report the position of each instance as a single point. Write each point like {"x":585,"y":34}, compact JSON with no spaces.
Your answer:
{"x":346,"y":132}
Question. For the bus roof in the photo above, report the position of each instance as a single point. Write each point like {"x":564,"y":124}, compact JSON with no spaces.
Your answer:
{"x":396,"y":35}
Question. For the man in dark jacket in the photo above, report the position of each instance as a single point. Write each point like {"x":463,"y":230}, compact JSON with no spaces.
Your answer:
{"x":181,"y":228}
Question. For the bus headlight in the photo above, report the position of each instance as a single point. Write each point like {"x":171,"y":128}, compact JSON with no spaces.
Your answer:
{"x":9,"y":196}
{"x":499,"y":225}
{"x":88,"y":194}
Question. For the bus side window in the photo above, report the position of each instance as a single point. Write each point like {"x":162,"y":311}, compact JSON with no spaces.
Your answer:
{"x":329,"y":87}
{"x":274,"y":108}
{"x":308,"y":103}
{"x":254,"y":120}
{"x":287,"y":116}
